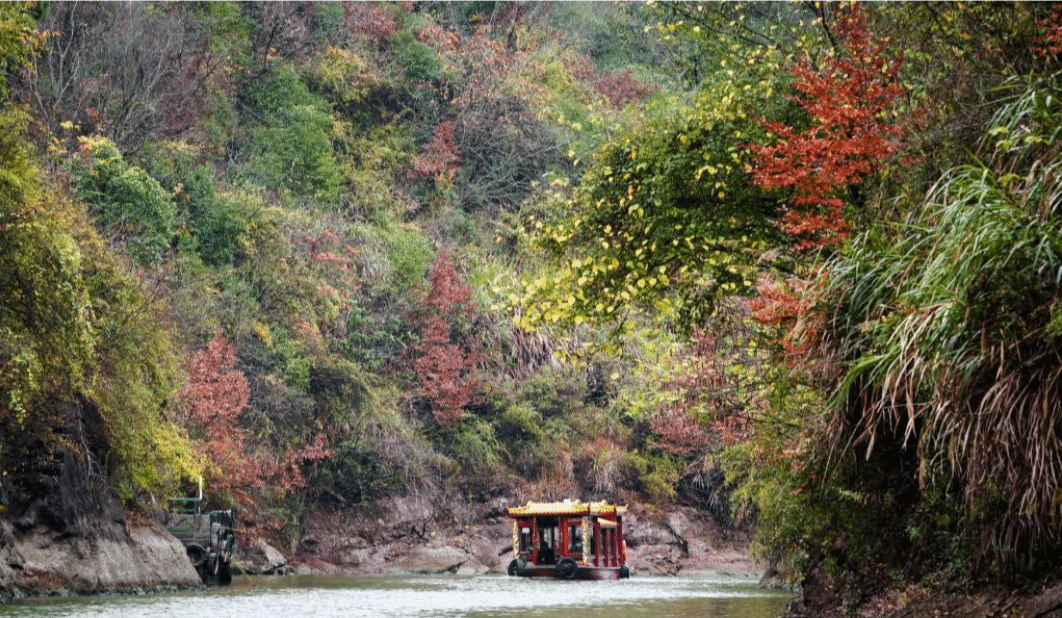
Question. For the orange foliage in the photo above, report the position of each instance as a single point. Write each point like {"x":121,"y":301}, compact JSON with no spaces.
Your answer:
{"x":789,"y":305}
{"x":211,"y":402}
{"x":440,"y":158}
{"x":708,"y":390}
{"x":621,"y":88}
{"x":849,"y":101}
{"x":443,"y":367}
{"x":370,"y":19}
{"x":1049,"y":41}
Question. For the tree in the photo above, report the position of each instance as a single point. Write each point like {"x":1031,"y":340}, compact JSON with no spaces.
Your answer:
{"x":665,"y":217}
{"x":850,"y":103}
{"x":127,"y":71}
{"x":443,"y":365}
{"x":853,"y":130}
{"x":212,"y":399}
{"x":489,"y":138}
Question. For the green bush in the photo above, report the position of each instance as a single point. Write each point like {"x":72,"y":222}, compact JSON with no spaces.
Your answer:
{"x":409,"y":252}
{"x":213,"y":220}
{"x":419,"y":61}
{"x":129,"y":206}
{"x":290,"y":143}
{"x":378,"y":453}
{"x":296,"y":152}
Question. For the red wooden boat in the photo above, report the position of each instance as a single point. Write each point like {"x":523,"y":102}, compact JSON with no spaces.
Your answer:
{"x":569,"y":540}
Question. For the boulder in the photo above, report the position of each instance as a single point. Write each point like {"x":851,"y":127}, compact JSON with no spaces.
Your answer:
{"x":260,"y":558}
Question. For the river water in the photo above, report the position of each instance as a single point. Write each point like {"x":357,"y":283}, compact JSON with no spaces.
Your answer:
{"x":485,"y":596}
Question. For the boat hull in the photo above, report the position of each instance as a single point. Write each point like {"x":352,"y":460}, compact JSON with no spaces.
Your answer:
{"x":581,"y":572}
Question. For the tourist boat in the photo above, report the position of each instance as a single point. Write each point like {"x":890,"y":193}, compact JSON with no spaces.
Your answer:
{"x":569,"y":540}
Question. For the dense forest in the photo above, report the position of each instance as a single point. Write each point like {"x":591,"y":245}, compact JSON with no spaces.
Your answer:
{"x":798,"y":265}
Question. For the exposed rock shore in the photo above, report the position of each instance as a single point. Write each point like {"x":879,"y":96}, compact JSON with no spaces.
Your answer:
{"x":65,"y":538}
{"x":64,"y":533}
{"x":42,"y":561}
{"x":410,"y":535}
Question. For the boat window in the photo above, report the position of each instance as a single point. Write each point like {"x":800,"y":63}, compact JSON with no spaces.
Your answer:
{"x":548,"y":537}
{"x":593,"y":545}
{"x":525,"y":538}
{"x":575,"y":538}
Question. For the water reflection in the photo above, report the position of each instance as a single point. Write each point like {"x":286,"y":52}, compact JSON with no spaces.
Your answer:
{"x":433,"y":597}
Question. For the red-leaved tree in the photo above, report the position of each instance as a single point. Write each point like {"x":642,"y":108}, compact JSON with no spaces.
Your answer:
{"x":210,"y":404}
{"x":440,"y":158}
{"x":849,"y":101}
{"x":443,"y":365}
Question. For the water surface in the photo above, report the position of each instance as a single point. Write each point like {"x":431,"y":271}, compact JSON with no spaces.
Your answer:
{"x":432,"y":597}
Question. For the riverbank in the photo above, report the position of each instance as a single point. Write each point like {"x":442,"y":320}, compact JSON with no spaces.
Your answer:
{"x":829,"y":598}
{"x":915,"y":601}
{"x":421,"y":537}
{"x":121,"y":557}
{"x":84,"y":544}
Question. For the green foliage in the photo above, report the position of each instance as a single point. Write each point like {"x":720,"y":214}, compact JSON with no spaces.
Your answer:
{"x":346,"y":78}
{"x":281,"y":260}
{"x":48,"y":332}
{"x":409,"y":253}
{"x":18,"y":178}
{"x":213,"y":220}
{"x":135,"y":376}
{"x":656,"y":473}
{"x":378,"y":453}
{"x":418,"y":61}
{"x":666,"y":217}
{"x":370,"y":163}
{"x":291,"y":147}
{"x":129,"y":206}
{"x":475,"y":447}
{"x":80,"y":326}
{"x":17,"y":41}
{"x":946,"y":333}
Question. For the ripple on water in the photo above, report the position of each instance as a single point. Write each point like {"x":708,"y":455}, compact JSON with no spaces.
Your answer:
{"x":431,"y":597}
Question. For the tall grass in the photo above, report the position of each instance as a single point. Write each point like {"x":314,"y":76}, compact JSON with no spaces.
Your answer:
{"x":952,"y":334}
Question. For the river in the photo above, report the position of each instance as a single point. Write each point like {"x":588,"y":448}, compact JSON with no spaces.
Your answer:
{"x":485,"y":596}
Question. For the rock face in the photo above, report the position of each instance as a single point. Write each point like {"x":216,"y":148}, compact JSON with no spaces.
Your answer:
{"x":260,"y":558}
{"x":66,"y":534}
{"x":43,"y":561}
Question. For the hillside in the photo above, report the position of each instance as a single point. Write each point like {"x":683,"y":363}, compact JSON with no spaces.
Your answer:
{"x":790,"y":269}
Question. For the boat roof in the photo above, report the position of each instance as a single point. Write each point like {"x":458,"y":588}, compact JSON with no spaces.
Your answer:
{"x":567,"y":507}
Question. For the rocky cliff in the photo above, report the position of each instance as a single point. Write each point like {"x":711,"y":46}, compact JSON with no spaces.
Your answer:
{"x":63,"y":532}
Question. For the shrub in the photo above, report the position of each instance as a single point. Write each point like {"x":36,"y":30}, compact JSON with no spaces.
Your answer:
{"x":291,"y":147}
{"x":129,"y":206}
{"x":212,"y":219}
